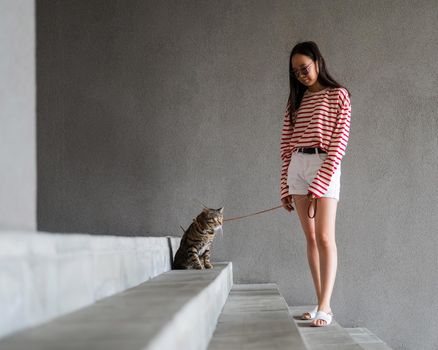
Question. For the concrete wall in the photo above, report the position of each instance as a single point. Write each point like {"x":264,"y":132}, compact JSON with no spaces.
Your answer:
{"x":46,"y":275}
{"x":147,"y":107}
{"x":17,"y":115}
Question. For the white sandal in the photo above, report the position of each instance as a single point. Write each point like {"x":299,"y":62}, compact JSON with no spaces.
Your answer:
{"x":311,"y":313}
{"x":321,"y":315}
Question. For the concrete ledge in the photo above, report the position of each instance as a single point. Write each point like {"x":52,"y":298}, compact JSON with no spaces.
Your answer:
{"x":175,"y":310}
{"x":45,"y":275}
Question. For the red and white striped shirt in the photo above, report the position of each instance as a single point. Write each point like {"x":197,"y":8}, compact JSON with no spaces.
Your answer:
{"x":323,"y":120}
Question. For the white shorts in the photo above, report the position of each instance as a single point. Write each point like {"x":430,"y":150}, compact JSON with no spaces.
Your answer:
{"x":303,"y":169}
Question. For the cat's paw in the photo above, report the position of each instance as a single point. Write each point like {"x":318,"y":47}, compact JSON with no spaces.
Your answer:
{"x":208,"y":265}
{"x":198,"y":267}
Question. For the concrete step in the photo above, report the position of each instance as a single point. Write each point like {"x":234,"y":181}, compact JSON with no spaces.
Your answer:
{"x":333,"y":336}
{"x":177,"y":309}
{"x":366,"y":339}
{"x":255,"y":316}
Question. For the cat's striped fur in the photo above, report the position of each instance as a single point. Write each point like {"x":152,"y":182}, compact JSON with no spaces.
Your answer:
{"x":195,"y":245}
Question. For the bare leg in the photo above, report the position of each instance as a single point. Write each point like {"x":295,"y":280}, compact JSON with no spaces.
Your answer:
{"x":325,"y":221}
{"x":308,"y":226}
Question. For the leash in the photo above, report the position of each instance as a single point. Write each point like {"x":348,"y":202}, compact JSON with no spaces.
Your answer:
{"x":279,"y":206}
{"x":266,"y":210}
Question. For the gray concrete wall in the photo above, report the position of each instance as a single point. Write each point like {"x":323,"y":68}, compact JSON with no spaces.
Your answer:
{"x":147,"y":107}
{"x":46,"y":275}
{"x":17,"y":115}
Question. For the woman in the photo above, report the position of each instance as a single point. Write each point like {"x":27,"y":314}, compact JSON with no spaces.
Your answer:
{"x":314,"y":139}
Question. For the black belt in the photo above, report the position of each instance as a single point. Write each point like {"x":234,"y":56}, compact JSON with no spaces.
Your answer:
{"x":311,"y":150}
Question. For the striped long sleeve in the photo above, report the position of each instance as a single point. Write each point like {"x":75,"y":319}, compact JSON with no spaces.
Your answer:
{"x":336,"y":148}
{"x":285,"y":153}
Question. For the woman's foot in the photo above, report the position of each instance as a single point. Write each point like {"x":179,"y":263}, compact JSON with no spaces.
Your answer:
{"x":320,"y":322}
{"x":310,"y":314}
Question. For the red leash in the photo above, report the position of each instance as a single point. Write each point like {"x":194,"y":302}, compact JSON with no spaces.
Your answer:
{"x":279,"y":206}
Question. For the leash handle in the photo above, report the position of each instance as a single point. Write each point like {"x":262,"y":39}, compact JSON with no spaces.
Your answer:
{"x":314,"y":211}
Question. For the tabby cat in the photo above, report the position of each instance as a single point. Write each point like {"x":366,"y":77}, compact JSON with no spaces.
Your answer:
{"x":194,"y":249}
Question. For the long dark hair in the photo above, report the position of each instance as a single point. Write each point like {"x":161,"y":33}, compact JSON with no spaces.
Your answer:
{"x":310,"y":49}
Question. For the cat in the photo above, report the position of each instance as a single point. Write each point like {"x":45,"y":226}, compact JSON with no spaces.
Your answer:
{"x":195,"y":245}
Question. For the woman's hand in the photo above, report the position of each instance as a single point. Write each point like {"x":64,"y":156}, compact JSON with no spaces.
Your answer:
{"x":287,"y":203}
{"x":311,"y":196}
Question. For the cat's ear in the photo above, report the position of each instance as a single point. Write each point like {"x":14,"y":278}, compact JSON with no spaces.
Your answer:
{"x":221,"y":210}
{"x":205,"y":210}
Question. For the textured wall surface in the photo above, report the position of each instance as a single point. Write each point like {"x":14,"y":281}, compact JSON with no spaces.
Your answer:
{"x":18,"y":166}
{"x":147,"y":107}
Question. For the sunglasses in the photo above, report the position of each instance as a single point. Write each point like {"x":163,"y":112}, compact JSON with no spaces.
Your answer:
{"x":304,"y":71}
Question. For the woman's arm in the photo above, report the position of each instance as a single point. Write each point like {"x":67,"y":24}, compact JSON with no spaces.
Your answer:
{"x":285,"y":153}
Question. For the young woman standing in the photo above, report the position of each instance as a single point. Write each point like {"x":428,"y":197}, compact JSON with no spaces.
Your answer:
{"x":314,"y":139}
